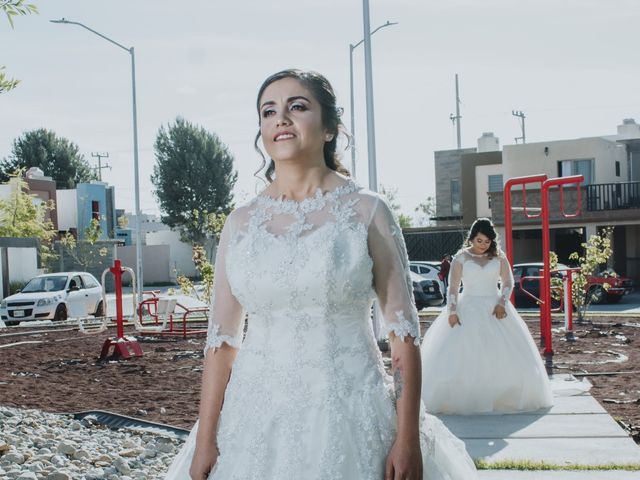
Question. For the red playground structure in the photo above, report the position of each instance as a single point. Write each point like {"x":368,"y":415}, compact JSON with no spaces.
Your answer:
{"x":123,"y":347}
{"x":545,"y":278}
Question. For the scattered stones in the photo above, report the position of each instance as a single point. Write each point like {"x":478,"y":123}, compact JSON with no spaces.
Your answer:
{"x":35,"y":445}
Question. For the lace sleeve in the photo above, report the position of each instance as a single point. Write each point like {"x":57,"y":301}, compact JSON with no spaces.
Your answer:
{"x":455,"y":279}
{"x":226,"y":317}
{"x":391,"y":276}
{"x":506,"y":280}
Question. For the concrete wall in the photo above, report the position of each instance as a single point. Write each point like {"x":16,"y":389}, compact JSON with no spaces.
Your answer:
{"x":155,"y":262}
{"x":530,"y":158}
{"x":23,"y":264}
{"x":447,"y":167}
{"x":180,"y":257}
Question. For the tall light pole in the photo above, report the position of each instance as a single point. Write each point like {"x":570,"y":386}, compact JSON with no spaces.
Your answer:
{"x":139,"y":279}
{"x":352,"y":101}
{"x":371,"y":135}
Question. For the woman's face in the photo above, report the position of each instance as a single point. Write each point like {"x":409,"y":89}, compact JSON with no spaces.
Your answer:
{"x":291,"y":122}
{"x":480,"y":243}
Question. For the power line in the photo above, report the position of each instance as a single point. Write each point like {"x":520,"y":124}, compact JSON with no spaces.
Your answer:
{"x":99,"y":168}
{"x":521,"y":116}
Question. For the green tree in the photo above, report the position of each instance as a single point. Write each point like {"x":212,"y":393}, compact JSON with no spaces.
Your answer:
{"x":21,"y":216}
{"x":56,"y":156}
{"x":596,"y":252}
{"x":12,"y":8}
{"x":83,"y":252}
{"x":425,"y":211}
{"x":204,"y":264}
{"x":392,"y":193}
{"x":193,"y":178}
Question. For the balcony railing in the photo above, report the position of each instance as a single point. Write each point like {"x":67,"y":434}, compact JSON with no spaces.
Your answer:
{"x":613,"y":196}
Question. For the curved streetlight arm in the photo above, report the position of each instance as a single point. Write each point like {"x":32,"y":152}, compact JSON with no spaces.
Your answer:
{"x":388,"y":24}
{"x":351,"y":100}
{"x":63,"y":20}
{"x":131,"y":52}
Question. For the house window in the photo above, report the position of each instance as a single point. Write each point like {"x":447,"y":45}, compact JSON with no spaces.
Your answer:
{"x":455,"y":197}
{"x":495,"y":185}
{"x":577,"y":167}
{"x":617,"y":168}
{"x":95,"y":210}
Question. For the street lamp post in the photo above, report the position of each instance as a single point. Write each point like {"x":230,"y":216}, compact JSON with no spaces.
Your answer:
{"x":352,"y":101}
{"x":371,"y":131}
{"x":139,"y":279}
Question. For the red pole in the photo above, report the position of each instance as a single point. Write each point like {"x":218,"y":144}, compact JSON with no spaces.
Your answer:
{"x":117,"y":273}
{"x":570,"y":302}
{"x":545,"y":308}
{"x":546,"y":282}
{"x":508,"y":223}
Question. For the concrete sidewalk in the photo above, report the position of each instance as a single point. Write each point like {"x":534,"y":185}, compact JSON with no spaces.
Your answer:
{"x":576,"y":430}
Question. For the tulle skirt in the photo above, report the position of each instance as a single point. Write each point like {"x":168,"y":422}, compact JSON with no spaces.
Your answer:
{"x":485,"y":365}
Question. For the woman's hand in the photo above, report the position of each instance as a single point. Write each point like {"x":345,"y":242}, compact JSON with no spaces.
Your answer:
{"x":500,"y":312}
{"x":204,"y":458}
{"x":404,"y":461}
{"x":453,"y":320}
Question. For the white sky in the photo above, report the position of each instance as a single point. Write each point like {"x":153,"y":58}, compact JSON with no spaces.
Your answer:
{"x":571,"y":65}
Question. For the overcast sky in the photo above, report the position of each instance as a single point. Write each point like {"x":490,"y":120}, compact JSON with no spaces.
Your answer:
{"x":571,"y":65}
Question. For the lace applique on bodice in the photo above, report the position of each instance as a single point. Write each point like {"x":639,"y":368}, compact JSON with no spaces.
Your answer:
{"x":291,"y":265}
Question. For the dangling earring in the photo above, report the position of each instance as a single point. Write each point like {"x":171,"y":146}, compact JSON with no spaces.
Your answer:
{"x":328,"y":138}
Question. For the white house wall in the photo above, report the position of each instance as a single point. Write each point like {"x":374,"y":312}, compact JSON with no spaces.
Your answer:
{"x":67,"y":209}
{"x":181,"y":261}
{"x":530,"y":159}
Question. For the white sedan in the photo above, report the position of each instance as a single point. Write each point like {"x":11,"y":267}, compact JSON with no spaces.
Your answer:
{"x":55,"y":296}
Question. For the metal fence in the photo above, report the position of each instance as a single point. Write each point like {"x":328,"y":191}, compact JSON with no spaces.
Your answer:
{"x":613,"y":196}
{"x":433,"y":245}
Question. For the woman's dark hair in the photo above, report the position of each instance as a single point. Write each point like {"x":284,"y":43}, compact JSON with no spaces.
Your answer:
{"x":485,"y":227}
{"x":322,"y":91}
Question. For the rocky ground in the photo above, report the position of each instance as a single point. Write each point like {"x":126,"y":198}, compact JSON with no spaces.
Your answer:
{"x":37,"y":445}
{"x":57,"y":370}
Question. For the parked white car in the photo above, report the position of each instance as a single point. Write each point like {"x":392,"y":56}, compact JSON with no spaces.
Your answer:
{"x":428,"y":270}
{"x":55,"y":296}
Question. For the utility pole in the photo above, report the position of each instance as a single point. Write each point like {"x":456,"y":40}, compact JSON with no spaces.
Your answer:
{"x":456,"y":118}
{"x":521,"y":116}
{"x":100,"y":156}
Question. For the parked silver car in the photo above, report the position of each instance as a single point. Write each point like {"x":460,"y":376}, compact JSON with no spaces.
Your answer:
{"x":54,"y":296}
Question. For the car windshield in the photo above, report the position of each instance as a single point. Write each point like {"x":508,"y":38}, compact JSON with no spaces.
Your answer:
{"x":608,"y":272}
{"x":45,"y":284}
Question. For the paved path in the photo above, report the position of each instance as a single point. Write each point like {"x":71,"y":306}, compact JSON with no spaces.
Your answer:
{"x":576,"y":430}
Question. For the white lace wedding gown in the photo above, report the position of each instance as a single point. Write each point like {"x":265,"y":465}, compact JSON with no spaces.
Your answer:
{"x":484,"y":365}
{"x":308,"y":397}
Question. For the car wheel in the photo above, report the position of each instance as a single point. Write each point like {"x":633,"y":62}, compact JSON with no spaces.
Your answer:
{"x":614,"y":298}
{"x":99,"y":310}
{"x":61,"y":313}
{"x":597,"y":295}
{"x":10,"y":323}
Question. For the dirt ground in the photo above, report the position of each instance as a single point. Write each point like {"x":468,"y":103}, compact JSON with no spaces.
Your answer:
{"x":57,"y":370}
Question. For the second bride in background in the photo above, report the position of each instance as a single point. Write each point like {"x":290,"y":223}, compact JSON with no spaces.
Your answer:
{"x":478,"y":356}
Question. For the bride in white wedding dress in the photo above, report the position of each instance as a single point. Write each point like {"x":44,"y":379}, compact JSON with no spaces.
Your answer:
{"x":304,"y":395}
{"x":478,"y":355}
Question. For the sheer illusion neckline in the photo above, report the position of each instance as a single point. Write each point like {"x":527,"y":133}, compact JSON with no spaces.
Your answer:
{"x":475,"y":255}
{"x":316,"y":201}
